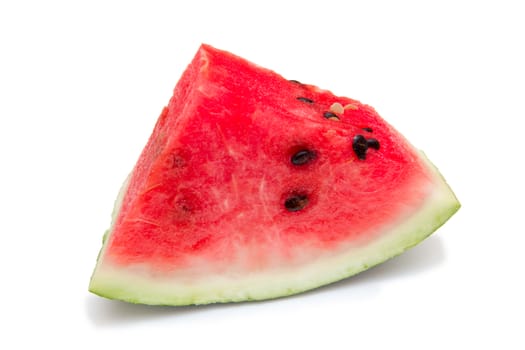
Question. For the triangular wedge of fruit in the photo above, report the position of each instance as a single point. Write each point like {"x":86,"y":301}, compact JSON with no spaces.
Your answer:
{"x":253,"y":187}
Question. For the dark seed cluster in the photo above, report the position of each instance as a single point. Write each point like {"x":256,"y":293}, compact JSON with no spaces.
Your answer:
{"x":360,"y":145}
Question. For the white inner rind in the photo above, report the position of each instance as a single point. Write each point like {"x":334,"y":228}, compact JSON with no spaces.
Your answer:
{"x":137,"y":285}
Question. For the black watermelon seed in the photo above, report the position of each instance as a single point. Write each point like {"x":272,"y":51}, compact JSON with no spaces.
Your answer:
{"x":296,"y":202}
{"x":305,"y":100}
{"x":302,"y":157}
{"x":368,"y":129}
{"x":373,"y":143}
{"x":330,"y":115}
{"x":294,"y":81}
{"x":360,"y":146}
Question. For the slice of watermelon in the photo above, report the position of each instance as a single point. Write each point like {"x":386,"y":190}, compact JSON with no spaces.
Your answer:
{"x":254,"y":187}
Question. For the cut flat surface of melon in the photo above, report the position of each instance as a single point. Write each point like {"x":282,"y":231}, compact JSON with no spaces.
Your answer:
{"x":205,"y":217}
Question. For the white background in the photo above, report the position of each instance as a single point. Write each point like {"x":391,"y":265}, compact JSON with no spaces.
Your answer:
{"x":81,"y":86}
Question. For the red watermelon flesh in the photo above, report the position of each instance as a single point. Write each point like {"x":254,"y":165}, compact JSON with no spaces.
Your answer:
{"x":252,"y":186}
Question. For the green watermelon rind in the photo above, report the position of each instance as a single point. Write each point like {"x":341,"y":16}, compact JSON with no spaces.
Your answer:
{"x":137,"y":286}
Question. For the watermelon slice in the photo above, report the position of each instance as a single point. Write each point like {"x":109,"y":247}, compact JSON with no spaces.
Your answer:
{"x":253,"y":187}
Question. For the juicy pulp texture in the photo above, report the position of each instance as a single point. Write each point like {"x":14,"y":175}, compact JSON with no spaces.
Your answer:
{"x":203,"y":217}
